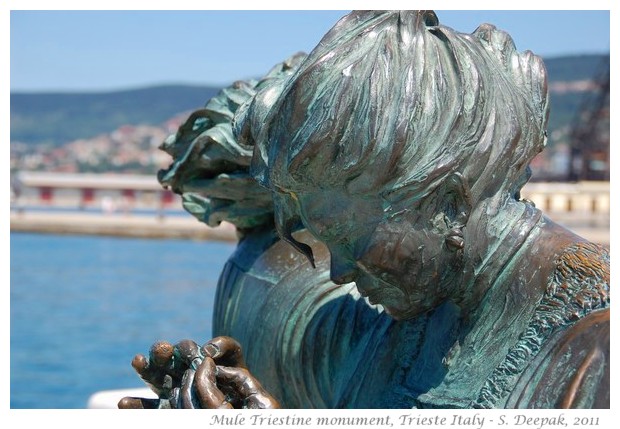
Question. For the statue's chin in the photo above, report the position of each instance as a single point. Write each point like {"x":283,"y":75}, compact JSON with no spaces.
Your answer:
{"x":395,"y":302}
{"x":398,"y":314}
{"x":402,"y":309}
{"x":410,"y":309}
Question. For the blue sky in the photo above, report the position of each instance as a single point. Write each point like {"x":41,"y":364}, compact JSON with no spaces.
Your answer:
{"x":58,"y":50}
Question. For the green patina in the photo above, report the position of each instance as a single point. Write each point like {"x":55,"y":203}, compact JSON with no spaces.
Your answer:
{"x":392,"y":157}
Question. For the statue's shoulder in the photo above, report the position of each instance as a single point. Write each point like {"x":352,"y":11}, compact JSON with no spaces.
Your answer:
{"x":579,"y":284}
{"x":562,"y":357}
{"x":581,"y":264}
{"x":571,"y":370}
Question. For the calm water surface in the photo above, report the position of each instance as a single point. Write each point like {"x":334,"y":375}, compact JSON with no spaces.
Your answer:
{"x":82,"y":307}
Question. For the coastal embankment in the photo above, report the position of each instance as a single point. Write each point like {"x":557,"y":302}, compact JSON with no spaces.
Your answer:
{"x":119,"y":225}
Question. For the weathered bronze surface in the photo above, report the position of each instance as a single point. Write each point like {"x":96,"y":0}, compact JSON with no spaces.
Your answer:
{"x":386,"y":259}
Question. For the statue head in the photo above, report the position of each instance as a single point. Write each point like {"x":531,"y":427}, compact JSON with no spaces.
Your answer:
{"x":384,"y":140}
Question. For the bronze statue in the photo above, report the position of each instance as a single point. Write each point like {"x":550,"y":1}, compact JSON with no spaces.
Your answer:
{"x":386,"y":259}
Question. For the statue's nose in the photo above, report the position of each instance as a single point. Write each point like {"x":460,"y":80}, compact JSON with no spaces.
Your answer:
{"x":342,"y":271}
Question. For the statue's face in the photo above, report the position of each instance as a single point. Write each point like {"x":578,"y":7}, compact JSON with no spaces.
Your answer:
{"x":398,"y":260}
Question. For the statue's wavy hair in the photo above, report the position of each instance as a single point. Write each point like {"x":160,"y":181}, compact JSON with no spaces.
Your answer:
{"x":392,"y":102}
{"x":210,"y":169}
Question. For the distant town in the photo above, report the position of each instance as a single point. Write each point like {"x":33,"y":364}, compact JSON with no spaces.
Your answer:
{"x":130,"y":149}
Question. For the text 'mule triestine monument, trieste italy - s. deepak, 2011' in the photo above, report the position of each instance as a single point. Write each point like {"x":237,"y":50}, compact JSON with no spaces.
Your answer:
{"x":386,"y":258}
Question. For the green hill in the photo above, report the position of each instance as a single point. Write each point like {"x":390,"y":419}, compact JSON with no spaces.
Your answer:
{"x":57,"y":118}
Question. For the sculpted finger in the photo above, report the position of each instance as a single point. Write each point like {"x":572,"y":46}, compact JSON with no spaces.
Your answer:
{"x":225,"y":351}
{"x":140,"y":364}
{"x":161,"y":354}
{"x":262,"y":401}
{"x":148,"y":372}
{"x":163,"y":367}
{"x":239,"y":379}
{"x":153,"y":369}
{"x":157,"y":370}
{"x":130,"y":403}
{"x":247,"y":387}
{"x":209,"y":395}
{"x":188,"y":351}
{"x":186,"y":394}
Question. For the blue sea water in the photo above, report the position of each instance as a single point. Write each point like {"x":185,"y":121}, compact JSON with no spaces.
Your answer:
{"x":82,"y":307}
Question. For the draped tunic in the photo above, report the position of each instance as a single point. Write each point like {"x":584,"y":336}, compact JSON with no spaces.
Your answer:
{"x":316,"y":344}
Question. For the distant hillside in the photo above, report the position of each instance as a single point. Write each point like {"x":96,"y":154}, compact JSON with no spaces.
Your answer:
{"x":56,"y":119}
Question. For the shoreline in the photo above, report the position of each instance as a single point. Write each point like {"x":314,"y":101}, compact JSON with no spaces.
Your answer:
{"x":120,"y":225}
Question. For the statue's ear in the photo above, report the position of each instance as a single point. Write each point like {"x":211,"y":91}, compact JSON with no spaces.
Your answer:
{"x":455,"y":200}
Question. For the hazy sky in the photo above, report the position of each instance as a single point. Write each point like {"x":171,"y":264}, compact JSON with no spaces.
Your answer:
{"x":102,"y":50}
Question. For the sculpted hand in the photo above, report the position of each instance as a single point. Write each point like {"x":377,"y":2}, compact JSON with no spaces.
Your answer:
{"x":162,"y":372}
{"x":221,"y":380}
{"x":212,"y":376}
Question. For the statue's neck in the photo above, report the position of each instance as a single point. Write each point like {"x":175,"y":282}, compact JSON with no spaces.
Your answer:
{"x":507,"y":278}
{"x":497,"y":239}
{"x":498,"y":300}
